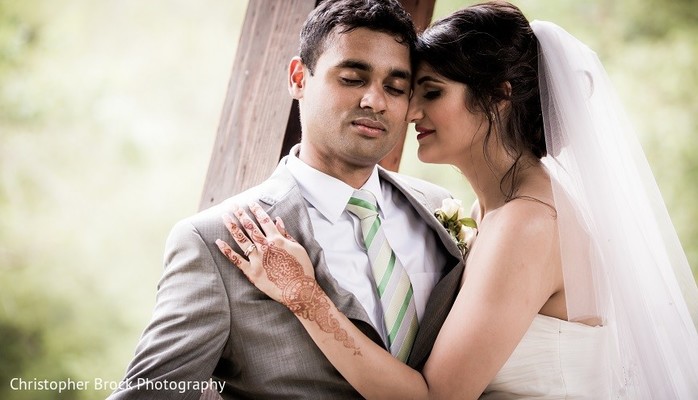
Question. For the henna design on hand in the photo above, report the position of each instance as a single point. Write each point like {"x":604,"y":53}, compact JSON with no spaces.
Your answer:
{"x":259,"y":214}
{"x":238,"y":235}
{"x":281,"y":267}
{"x":257,"y":235}
{"x":231,"y":255}
{"x":302,"y":294}
{"x":305,"y":298}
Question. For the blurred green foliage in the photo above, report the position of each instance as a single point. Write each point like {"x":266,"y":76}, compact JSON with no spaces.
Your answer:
{"x":108,"y":111}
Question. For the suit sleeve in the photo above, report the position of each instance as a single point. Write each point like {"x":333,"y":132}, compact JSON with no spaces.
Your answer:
{"x":189,"y":327}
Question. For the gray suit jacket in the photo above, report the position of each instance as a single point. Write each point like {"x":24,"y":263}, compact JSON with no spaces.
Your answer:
{"x":210,"y":321}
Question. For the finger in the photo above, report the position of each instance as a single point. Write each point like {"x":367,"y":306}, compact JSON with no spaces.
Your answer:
{"x":250,"y":227}
{"x":237,"y":260}
{"x":235,"y":231}
{"x":230,"y":254}
{"x":263,"y":218}
{"x":282,"y":229}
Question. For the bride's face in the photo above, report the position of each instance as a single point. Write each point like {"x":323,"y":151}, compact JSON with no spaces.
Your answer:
{"x":446,"y":128}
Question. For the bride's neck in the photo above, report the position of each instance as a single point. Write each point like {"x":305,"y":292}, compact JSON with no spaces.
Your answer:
{"x":491,"y":180}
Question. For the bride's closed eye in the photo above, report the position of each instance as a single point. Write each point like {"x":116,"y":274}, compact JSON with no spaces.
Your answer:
{"x":432,"y":94}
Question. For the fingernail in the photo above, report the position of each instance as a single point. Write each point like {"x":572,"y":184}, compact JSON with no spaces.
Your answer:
{"x":219,"y":243}
{"x":226,"y":218}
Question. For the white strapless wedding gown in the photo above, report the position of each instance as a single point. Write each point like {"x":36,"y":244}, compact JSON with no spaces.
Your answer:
{"x":556,"y":359}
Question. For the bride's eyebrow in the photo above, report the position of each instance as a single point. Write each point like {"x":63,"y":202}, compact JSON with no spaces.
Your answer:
{"x":428,"y":78}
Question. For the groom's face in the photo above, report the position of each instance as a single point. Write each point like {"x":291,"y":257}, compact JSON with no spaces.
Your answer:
{"x":353,"y":105}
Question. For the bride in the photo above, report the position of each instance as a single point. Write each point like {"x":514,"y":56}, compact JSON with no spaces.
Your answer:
{"x":576,"y":285}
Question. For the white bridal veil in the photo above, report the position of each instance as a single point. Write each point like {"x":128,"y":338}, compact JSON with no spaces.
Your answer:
{"x":617,"y":239}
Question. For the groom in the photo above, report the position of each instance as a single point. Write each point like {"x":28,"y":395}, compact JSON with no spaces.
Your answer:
{"x":352,"y":81}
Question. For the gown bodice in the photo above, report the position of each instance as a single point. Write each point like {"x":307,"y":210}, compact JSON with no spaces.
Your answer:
{"x":555,"y":359}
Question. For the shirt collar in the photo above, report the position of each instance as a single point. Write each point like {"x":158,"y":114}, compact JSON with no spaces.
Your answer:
{"x":327,"y":194}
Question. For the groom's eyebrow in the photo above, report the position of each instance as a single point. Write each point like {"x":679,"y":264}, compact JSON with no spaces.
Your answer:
{"x":355,"y":64}
{"x":363,"y":66}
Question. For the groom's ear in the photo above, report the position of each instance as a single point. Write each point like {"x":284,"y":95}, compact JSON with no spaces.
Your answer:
{"x":296,"y":77}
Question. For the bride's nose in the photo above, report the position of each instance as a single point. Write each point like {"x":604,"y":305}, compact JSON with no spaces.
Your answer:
{"x":414,"y":111}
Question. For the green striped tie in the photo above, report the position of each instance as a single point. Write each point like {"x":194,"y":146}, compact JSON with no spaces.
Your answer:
{"x":392,"y":282}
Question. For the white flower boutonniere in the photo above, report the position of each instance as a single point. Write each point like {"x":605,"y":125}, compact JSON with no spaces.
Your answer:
{"x":462,"y":228}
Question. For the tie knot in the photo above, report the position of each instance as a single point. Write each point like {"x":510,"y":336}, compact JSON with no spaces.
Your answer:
{"x":363,"y":204}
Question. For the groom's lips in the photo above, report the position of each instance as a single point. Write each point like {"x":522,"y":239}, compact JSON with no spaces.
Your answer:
{"x":423,"y":132}
{"x":369,"y":127}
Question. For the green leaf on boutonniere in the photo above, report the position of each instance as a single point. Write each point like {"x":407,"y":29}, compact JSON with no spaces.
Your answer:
{"x":461,"y":228}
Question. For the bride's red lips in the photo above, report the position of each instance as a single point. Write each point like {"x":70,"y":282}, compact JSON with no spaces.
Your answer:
{"x":422,"y":129}
{"x":423,"y":132}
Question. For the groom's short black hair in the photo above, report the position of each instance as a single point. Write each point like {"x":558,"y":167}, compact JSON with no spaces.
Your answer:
{"x":386,"y":16}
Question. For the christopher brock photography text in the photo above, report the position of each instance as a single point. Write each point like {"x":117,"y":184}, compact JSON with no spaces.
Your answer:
{"x":64,"y":385}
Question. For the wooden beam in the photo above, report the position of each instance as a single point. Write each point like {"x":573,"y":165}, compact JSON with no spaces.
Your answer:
{"x":421,"y":12}
{"x":257,"y":107}
{"x":259,"y":121}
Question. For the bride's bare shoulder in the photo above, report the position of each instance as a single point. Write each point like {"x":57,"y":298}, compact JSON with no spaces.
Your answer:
{"x":522,"y":221}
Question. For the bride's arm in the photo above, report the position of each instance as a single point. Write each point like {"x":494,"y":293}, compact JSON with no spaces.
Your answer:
{"x":490,"y":315}
{"x":280,"y":267}
{"x":512,"y":271}
{"x":370,"y":369}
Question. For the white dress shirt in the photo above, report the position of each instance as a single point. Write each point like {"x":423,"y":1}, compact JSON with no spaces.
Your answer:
{"x":339,"y":234}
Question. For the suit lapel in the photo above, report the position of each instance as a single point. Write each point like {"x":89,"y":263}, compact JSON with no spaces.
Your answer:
{"x":284,"y":199}
{"x":425,"y":210}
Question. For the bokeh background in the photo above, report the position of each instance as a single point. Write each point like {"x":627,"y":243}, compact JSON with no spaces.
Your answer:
{"x":108,"y":112}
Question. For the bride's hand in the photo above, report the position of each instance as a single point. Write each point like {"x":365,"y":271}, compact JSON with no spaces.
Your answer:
{"x":273,"y":261}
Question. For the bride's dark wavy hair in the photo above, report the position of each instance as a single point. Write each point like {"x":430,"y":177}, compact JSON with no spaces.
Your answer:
{"x":486,"y":46}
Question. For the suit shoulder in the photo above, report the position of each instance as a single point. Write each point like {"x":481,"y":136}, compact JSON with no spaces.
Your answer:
{"x":274,"y":189}
{"x":419,"y":184}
